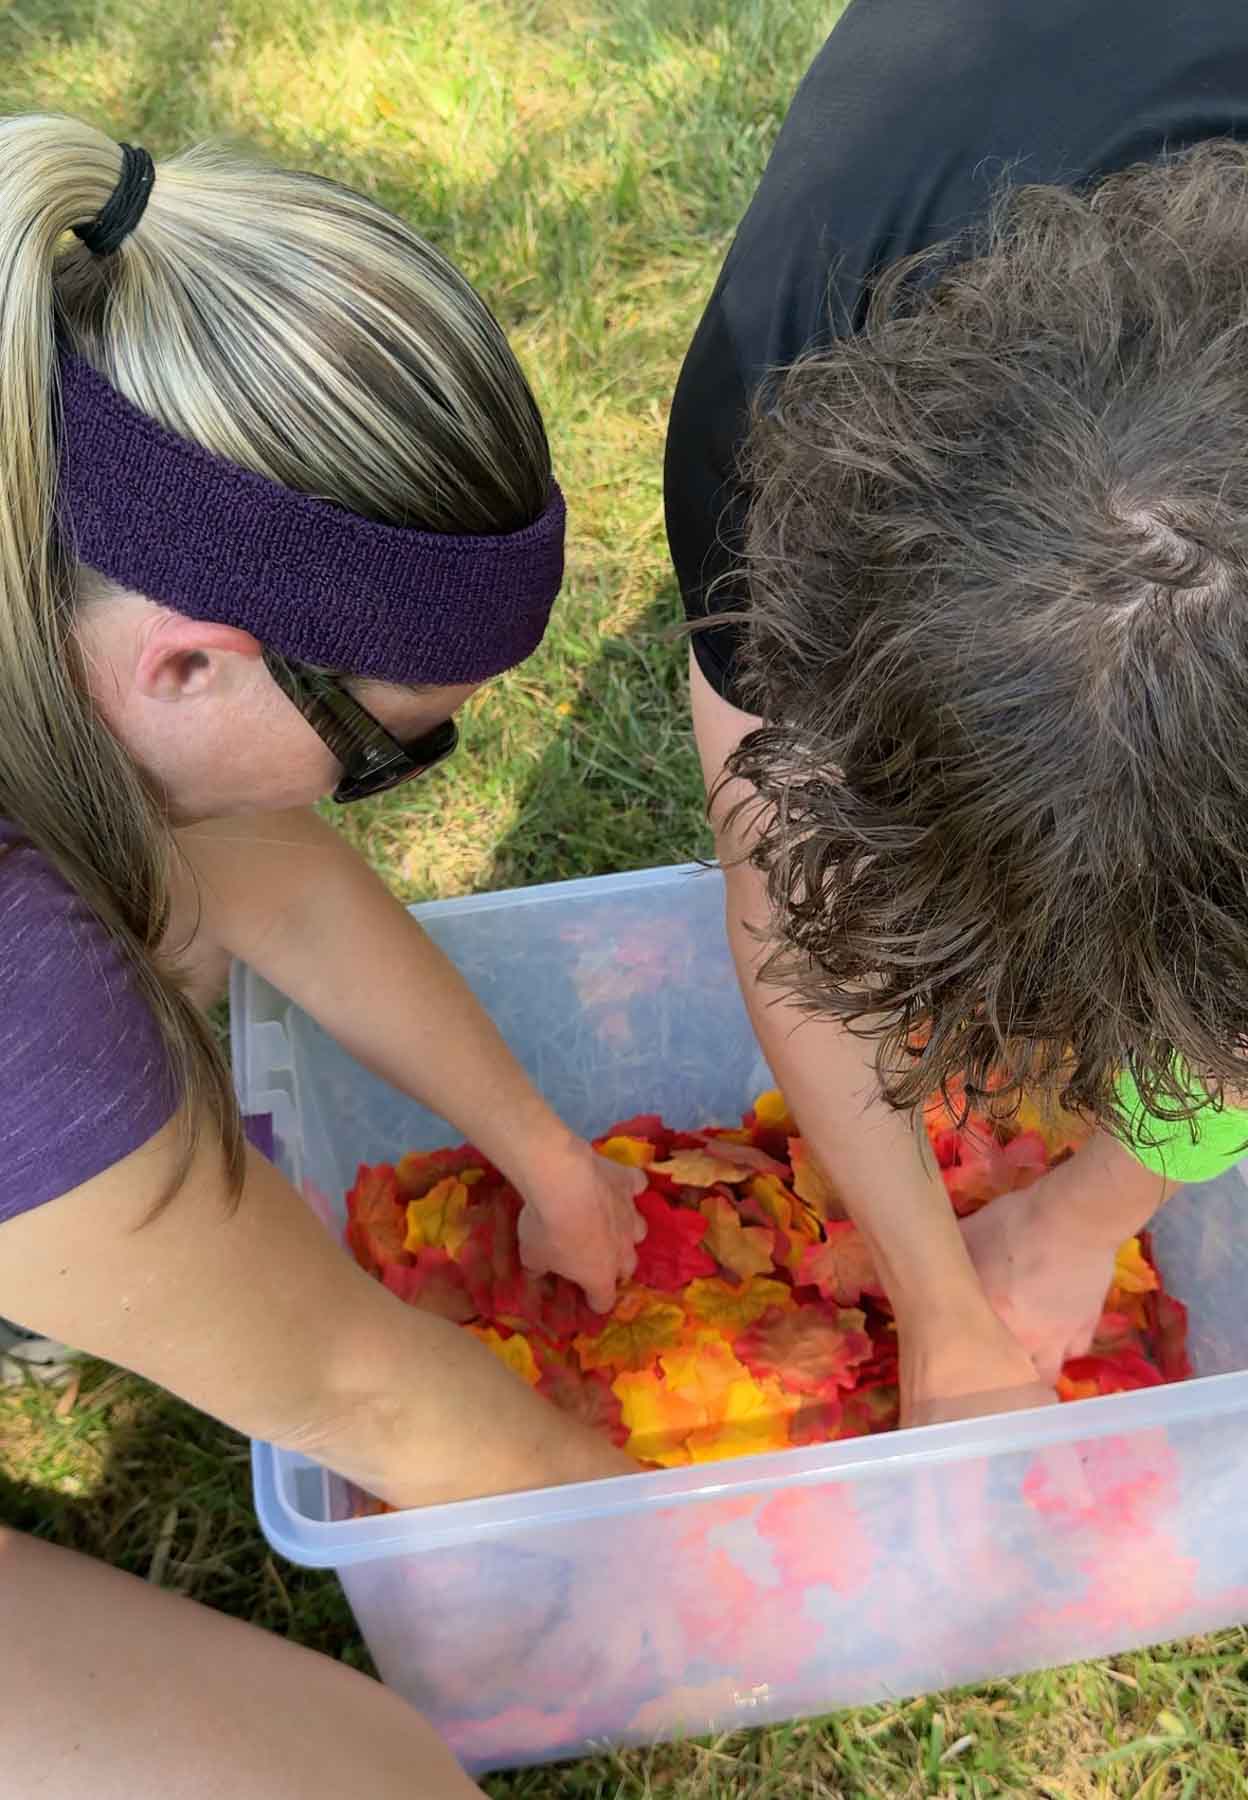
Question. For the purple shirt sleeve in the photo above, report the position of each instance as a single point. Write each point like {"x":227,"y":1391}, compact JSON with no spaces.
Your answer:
{"x":85,"y":1078}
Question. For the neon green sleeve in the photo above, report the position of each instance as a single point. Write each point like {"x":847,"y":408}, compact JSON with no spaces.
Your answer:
{"x":1167,"y":1145}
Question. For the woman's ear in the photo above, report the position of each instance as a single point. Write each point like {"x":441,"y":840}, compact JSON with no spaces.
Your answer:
{"x":183,"y":659}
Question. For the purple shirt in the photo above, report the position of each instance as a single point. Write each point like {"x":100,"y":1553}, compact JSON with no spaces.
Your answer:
{"x":83,"y":1075}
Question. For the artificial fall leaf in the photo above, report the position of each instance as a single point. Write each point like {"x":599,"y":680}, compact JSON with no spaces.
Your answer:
{"x":701,"y":1371}
{"x":1168,"y":1328}
{"x":584,"y":1395}
{"x":433,"y":1282}
{"x":1121,"y":1373}
{"x":771,"y":1203}
{"x":631,"y":1152}
{"x":755,"y":1418}
{"x":869,"y":1408}
{"x":648,"y":1126}
{"x":841,"y":1267}
{"x":727,"y":1149}
{"x":811,"y":1184}
{"x":516,"y":1352}
{"x":671,"y":1253}
{"x":811,"y":1350}
{"x":1057,"y":1129}
{"x":1132,"y":1273}
{"x":633,"y":1338}
{"x":376,"y":1226}
{"x":744,"y":1250}
{"x":817,"y":1419}
{"x":730,"y":1309}
{"x":438,"y":1221}
{"x":657,"y":1418}
{"x":490,"y":1258}
{"x":421,"y":1170}
{"x":772,"y":1111}
{"x":1115,"y":1331}
{"x":699,"y":1168}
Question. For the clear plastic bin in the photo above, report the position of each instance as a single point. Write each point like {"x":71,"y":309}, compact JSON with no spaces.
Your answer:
{"x":772,"y":1587}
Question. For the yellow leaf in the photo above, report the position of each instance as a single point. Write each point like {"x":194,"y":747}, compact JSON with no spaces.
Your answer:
{"x":437,"y":1222}
{"x":698,"y":1168}
{"x":772,"y":1109}
{"x":516,"y":1352}
{"x":633,"y":1341}
{"x":1132,"y":1274}
{"x":755,"y":1417}
{"x":633,"y":1153}
{"x":732,"y":1309}
{"x":658,"y":1420}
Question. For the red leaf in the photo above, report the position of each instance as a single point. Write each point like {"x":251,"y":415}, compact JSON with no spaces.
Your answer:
{"x":841,"y":1267}
{"x":671,"y":1254}
{"x":811,"y":1349}
{"x":377,"y":1223}
{"x":585,"y":1395}
{"x":435,"y":1283}
{"x":641,"y":1125}
{"x":565,"y":1312}
{"x":871,"y":1407}
{"x":1121,"y":1373}
{"x":1168,"y":1328}
{"x":817,"y":1420}
{"x":421,"y":1170}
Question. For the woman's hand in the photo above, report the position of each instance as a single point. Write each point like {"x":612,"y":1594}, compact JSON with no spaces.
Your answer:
{"x":580,"y":1220}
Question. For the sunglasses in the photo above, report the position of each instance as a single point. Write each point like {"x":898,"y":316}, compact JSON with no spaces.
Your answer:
{"x":372,"y":761}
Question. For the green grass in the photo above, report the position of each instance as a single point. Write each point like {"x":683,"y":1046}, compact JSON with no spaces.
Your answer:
{"x":585,"y":164}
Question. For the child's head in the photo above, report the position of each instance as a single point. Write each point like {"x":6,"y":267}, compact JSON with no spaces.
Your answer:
{"x":998,"y":554}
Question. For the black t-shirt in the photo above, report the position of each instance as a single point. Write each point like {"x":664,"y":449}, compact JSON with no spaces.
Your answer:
{"x":910,"y":116}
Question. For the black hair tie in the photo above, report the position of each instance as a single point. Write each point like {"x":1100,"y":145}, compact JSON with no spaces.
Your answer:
{"x":124,"y":207}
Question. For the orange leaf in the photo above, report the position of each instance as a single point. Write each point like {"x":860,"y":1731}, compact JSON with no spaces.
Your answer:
{"x":633,"y":1153}
{"x":841,"y":1267}
{"x":701,"y":1371}
{"x":438,"y":1221}
{"x":811,"y":1349}
{"x":633,"y":1341}
{"x":743,"y":1250}
{"x":698,"y":1168}
{"x":730,"y":1309}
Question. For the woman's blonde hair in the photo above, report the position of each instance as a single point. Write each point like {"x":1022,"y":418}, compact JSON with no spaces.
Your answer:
{"x":284,"y":322}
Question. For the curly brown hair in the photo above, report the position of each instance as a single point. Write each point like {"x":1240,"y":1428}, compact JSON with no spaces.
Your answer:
{"x":997,"y":553}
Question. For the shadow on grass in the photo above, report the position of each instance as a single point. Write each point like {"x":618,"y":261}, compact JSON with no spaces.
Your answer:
{"x":134,"y":1477}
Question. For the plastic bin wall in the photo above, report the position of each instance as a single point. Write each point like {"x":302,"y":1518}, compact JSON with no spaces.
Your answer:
{"x":534,"y":1625}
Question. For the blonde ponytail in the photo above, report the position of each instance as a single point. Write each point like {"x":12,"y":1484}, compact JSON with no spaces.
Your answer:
{"x":286,"y":323}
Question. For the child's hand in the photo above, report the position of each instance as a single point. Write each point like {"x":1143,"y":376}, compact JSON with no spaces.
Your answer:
{"x":580,"y":1220}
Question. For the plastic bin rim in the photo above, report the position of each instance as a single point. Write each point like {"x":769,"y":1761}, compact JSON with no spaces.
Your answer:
{"x":316,"y":1543}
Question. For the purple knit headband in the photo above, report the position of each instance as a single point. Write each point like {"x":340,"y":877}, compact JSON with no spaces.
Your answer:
{"x":172,"y":521}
